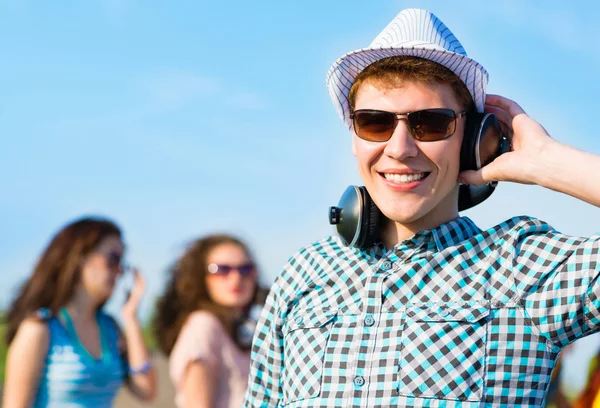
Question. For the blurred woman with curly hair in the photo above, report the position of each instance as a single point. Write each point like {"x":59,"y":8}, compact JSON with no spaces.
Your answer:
{"x":202,"y":322}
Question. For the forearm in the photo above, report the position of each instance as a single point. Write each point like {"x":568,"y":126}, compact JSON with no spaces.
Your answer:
{"x":571,"y":171}
{"x":143,"y":384}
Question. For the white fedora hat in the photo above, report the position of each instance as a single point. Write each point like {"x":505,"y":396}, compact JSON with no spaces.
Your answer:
{"x":413,"y":32}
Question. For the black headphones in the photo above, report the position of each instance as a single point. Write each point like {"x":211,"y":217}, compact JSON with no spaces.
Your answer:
{"x":357,"y":217}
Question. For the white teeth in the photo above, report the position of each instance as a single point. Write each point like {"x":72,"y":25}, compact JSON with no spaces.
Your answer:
{"x":404,"y":178}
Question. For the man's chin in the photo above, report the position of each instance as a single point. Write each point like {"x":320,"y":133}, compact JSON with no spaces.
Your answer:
{"x":405,"y":211}
{"x":405,"y":217}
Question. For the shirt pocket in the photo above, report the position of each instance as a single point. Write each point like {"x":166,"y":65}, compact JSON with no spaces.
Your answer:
{"x":443,"y":352}
{"x":304,"y":344}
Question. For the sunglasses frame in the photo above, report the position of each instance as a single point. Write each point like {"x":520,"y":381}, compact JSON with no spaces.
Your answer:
{"x":111,"y":257}
{"x":213,"y":269}
{"x":405,"y":116}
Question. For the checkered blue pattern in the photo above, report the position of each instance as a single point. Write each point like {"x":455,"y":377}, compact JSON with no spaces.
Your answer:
{"x":452,"y":317}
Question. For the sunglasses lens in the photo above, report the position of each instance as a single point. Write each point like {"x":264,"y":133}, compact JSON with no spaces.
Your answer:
{"x":113,"y":259}
{"x":223,"y":270}
{"x":246,"y":270}
{"x":375,"y":126}
{"x":432,"y":124}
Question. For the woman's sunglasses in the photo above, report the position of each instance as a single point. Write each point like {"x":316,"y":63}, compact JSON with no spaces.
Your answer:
{"x":246,"y":269}
{"x":114,"y":260}
{"x":427,"y":125}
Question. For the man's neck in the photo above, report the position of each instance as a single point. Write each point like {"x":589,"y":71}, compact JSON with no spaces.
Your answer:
{"x":396,"y":232}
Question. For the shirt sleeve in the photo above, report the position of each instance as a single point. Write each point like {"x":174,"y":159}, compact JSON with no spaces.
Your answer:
{"x":266,"y":366}
{"x":199,"y":341}
{"x":558,"y":278}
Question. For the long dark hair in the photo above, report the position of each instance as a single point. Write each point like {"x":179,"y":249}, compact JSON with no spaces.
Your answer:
{"x":58,"y":270}
{"x":186,"y":292}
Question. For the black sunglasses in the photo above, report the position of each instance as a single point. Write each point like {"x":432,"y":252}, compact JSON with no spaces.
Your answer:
{"x":246,"y":269}
{"x":427,"y":125}
{"x":114,"y":259}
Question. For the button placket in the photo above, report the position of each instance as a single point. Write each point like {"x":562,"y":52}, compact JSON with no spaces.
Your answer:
{"x":361,"y":366}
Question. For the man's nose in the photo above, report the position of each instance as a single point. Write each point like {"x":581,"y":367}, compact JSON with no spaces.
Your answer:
{"x":402,"y":144}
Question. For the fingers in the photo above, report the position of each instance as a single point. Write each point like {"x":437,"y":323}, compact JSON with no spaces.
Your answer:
{"x":511,"y":107}
{"x":472,"y":177}
{"x":484,"y":175}
{"x":139,"y":285}
{"x":138,"y":278}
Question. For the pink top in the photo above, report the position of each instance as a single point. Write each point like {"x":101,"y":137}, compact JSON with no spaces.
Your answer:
{"x":204,"y":339}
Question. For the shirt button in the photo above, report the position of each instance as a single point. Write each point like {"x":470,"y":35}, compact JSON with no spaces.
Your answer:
{"x":369,"y":321}
{"x":386,"y":266}
{"x":299,"y":320}
{"x":359,"y":381}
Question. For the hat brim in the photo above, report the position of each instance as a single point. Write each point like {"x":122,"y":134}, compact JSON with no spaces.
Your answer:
{"x":344,"y":71}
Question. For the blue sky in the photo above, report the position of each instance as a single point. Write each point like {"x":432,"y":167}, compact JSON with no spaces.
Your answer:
{"x":178,"y":119}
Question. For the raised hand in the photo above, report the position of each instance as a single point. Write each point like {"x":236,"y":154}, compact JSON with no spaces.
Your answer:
{"x":529,"y":141}
{"x":129,"y":309}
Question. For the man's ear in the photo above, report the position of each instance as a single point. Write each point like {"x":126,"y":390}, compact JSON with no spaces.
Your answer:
{"x":353,"y":141}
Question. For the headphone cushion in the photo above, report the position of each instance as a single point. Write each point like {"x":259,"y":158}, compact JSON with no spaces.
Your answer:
{"x":468,"y":160}
{"x":482,"y":142}
{"x":371,"y":221}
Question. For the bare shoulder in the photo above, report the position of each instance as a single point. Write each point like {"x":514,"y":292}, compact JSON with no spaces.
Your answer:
{"x":33,"y":329}
{"x":33,"y":334}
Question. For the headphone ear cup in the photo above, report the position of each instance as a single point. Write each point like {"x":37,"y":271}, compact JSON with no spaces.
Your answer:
{"x":491,"y":141}
{"x":483,"y":141}
{"x":371,"y":220}
{"x":468,"y":156}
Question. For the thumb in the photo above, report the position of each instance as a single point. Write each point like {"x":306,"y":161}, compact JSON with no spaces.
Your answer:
{"x":473,"y":177}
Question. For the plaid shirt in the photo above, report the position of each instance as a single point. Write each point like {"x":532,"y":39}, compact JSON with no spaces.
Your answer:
{"x":452,"y":317}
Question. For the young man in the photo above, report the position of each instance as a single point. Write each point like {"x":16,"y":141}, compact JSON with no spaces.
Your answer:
{"x":437,"y":313}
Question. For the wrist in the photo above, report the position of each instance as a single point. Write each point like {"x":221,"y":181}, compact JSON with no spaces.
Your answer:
{"x":547,"y":164}
{"x":130,"y":321}
{"x":141,"y":369}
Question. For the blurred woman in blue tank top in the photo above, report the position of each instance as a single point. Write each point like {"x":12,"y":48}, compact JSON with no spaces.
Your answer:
{"x":64,"y":351}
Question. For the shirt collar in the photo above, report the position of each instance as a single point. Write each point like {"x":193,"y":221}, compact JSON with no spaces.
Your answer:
{"x":454,"y":232}
{"x":444,"y":236}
